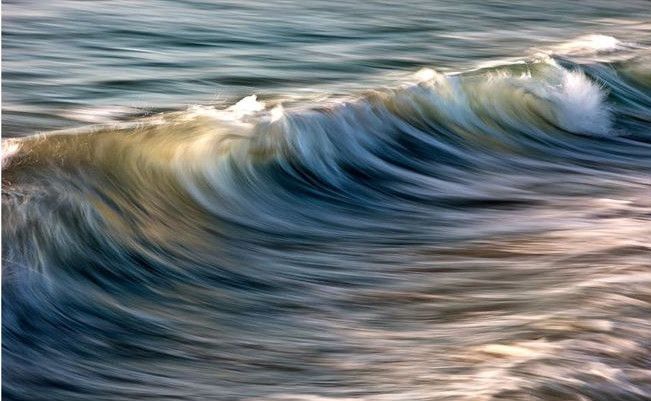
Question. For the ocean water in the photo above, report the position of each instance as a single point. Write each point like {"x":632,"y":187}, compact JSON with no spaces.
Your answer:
{"x":326,"y":201}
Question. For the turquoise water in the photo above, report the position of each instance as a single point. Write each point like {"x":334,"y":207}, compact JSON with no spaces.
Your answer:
{"x":326,"y":201}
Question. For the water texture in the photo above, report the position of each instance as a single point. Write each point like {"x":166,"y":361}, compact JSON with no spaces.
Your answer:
{"x":325,"y":201}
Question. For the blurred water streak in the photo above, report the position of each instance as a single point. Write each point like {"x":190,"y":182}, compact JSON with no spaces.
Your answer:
{"x":326,"y":201}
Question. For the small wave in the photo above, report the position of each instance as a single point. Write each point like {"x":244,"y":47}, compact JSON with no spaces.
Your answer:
{"x":589,"y":44}
{"x":99,"y":115}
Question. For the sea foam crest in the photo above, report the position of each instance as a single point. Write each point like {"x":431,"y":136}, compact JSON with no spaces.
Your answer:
{"x":580,"y":105}
{"x":588,"y":44}
{"x":247,"y":106}
{"x":9,"y":148}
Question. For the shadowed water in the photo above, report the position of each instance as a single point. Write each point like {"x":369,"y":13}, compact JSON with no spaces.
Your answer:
{"x":452,"y":202}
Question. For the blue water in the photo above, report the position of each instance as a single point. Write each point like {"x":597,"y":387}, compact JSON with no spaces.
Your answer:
{"x":326,"y":201}
{"x":70,"y":63}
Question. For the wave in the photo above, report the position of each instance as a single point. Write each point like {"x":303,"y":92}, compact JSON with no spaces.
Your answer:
{"x":548,"y":95}
{"x":199,"y":251}
{"x":444,"y":140}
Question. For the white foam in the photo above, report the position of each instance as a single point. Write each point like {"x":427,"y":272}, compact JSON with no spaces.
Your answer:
{"x":588,"y":44}
{"x":580,"y":105}
{"x":9,"y":149}
{"x":97,"y":115}
{"x":245,"y":107}
{"x":425,"y":74}
{"x":277,"y":113}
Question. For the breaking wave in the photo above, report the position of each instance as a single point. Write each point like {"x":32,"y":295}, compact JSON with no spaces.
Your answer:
{"x":480,"y":235}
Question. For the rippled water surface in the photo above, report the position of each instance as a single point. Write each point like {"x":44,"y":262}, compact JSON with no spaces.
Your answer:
{"x":326,"y":201}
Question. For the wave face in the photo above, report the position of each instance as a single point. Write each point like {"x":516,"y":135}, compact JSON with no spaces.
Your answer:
{"x":474,"y":236}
